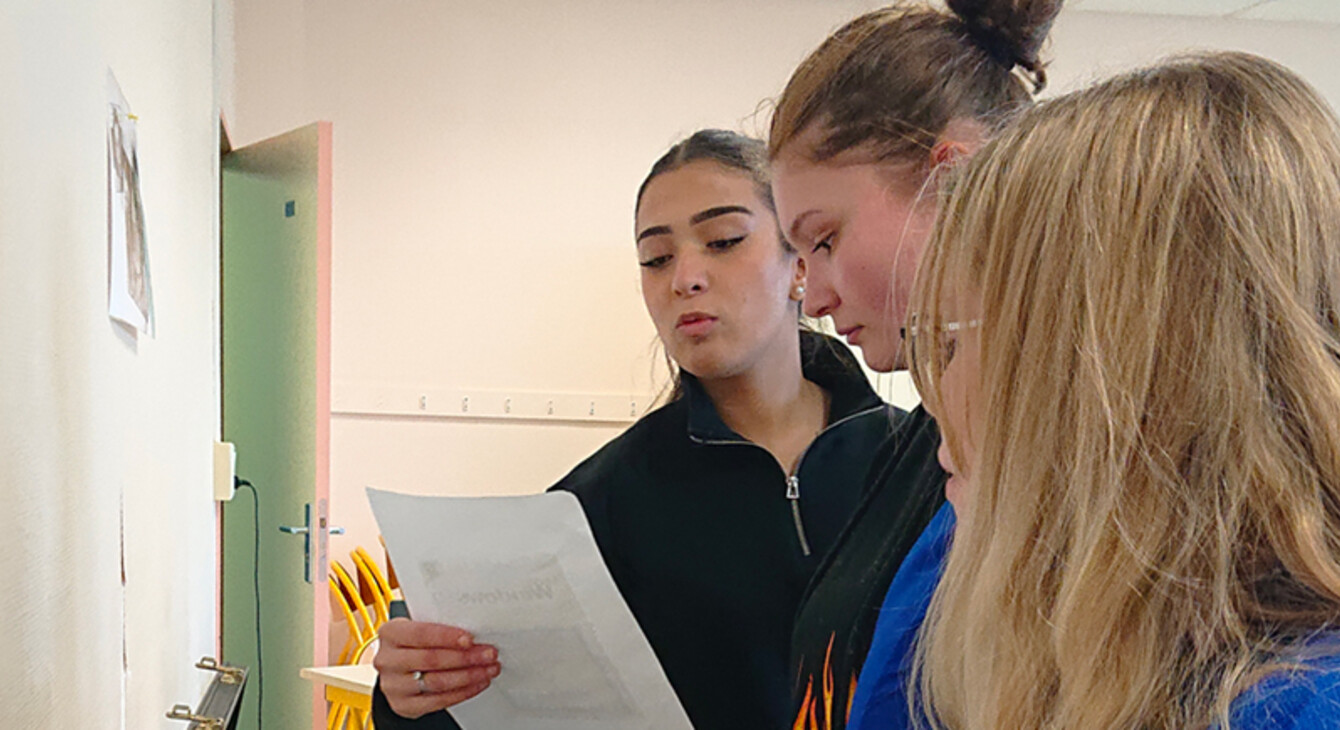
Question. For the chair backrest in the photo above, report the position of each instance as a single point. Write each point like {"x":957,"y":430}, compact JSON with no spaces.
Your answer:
{"x":385,"y":584}
{"x":368,"y":574}
{"x":368,"y":629}
{"x":355,"y":636}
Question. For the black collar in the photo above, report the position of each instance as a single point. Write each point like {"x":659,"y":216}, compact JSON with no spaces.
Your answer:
{"x":824,"y":361}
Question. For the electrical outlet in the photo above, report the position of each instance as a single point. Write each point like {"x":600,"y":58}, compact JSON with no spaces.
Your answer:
{"x":225,"y":471}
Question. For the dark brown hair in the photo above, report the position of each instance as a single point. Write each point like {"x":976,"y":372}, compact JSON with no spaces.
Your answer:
{"x":893,"y":79}
{"x":728,"y":149}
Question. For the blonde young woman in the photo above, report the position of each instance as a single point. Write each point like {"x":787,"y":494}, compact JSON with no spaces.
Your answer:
{"x":1129,"y":328}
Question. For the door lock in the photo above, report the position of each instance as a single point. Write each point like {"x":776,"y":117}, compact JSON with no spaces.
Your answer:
{"x":305,"y":530}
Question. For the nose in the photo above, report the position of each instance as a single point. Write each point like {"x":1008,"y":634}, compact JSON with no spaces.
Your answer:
{"x":946,"y":460}
{"x":820,"y":299}
{"x":690,"y":276}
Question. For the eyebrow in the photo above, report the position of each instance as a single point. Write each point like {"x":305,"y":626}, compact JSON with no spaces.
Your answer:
{"x":699,"y":217}
{"x":794,"y":231}
{"x":653,"y":231}
{"x":721,"y":210}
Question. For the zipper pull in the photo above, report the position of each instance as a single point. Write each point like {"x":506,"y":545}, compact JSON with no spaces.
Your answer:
{"x":793,"y":487}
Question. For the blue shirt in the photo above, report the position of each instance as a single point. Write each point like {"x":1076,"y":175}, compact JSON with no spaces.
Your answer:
{"x":881,"y":691}
{"x":1306,"y":699}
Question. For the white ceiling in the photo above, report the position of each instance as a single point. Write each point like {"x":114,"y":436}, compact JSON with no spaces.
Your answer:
{"x":1323,"y":11}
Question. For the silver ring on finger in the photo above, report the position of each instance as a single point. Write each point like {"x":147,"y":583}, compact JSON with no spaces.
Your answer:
{"x":418,"y":679}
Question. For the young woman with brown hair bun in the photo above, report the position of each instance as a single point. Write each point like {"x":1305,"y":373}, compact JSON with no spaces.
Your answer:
{"x":857,"y":139}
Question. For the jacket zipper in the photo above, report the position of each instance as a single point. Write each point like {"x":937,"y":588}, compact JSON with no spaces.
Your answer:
{"x":793,"y":479}
{"x":793,"y":494}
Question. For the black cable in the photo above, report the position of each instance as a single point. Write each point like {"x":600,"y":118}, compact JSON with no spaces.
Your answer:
{"x":256,"y":584}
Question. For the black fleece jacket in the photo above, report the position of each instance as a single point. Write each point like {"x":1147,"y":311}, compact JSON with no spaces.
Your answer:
{"x":836,"y":619}
{"x":712,"y":544}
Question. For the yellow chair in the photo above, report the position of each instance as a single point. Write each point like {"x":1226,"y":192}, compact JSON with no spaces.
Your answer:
{"x":343,"y":716}
{"x":370,"y":577}
{"x":362,"y":635}
{"x":355,"y":634}
{"x":363,"y":626}
{"x":388,"y":585}
{"x":368,"y":627}
{"x":346,"y":595}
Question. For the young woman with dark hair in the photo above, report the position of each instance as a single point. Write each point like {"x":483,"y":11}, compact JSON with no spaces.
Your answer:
{"x":713,"y":510}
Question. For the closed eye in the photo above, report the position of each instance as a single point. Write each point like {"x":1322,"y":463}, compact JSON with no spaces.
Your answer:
{"x":825,"y":244}
{"x":724,"y":243}
{"x":655,"y":263}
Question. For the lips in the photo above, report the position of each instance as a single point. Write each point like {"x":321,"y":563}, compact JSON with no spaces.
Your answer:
{"x":954,"y":485}
{"x":695,"y":324}
{"x":851,"y":333}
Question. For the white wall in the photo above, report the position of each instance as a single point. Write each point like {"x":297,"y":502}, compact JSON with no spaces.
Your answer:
{"x":486,"y":156}
{"x":90,"y":418}
{"x":1089,"y":46}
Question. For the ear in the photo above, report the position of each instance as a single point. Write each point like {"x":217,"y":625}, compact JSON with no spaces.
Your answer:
{"x":947,"y":153}
{"x":943,"y":157}
{"x":957,"y":142}
{"x":798,"y":278}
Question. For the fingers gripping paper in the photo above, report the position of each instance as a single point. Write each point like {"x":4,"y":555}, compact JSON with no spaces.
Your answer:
{"x":524,"y":574}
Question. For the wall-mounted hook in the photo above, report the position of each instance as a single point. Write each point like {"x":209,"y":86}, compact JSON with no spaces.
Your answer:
{"x":183,"y":712}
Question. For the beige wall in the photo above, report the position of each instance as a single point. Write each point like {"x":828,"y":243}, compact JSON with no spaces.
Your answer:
{"x":486,"y":155}
{"x":103,"y":436}
{"x":1090,"y":46}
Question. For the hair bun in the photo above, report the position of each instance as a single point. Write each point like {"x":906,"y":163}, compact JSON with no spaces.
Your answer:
{"x":1010,"y":31}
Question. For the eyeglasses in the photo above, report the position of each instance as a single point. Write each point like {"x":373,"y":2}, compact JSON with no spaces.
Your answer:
{"x":903,"y":332}
{"x":946,"y":342}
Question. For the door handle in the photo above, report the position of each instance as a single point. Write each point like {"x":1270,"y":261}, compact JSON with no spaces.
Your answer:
{"x":300,"y":530}
{"x":305,"y":530}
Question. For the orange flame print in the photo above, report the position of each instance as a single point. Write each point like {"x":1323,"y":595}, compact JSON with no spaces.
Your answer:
{"x":817,"y":707}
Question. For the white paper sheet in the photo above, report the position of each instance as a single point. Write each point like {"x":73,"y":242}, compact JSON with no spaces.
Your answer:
{"x":129,"y":294}
{"x":524,"y":574}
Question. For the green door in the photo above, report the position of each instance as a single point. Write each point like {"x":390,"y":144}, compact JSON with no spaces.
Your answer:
{"x":276,"y":410}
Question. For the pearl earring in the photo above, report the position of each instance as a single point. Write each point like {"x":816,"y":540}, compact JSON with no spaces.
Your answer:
{"x":800,"y":292}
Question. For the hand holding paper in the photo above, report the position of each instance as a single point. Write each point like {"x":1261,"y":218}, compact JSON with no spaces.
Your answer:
{"x":452,"y":667}
{"x":524,"y":574}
